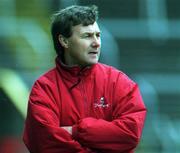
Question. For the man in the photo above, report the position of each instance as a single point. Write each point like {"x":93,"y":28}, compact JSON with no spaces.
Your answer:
{"x":82,"y":106}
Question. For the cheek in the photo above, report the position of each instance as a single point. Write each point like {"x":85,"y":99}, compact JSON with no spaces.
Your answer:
{"x":85,"y":44}
{"x":79,"y":46}
{"x":82,"y":46}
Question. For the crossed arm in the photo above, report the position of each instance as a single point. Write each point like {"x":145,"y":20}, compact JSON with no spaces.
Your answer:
{"x":43,"y":134}
{"x":120,"y":135}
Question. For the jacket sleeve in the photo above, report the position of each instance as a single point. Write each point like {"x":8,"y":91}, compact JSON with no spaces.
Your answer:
{"x":42,"y":133}
{"x":123,"y":133}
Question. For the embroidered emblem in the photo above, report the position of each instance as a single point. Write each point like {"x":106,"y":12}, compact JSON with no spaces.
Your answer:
{"x":101,"y":103}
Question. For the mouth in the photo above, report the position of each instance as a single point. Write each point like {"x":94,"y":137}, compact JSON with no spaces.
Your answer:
{"x":93,"y":52}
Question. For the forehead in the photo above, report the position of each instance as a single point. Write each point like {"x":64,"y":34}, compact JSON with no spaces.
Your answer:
{"x":83,"y":29}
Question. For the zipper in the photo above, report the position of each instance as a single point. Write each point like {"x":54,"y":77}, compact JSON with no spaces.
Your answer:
{"x":84,"y":95}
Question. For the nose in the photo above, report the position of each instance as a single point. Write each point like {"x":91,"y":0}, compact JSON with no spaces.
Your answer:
{"x":96,"y":42}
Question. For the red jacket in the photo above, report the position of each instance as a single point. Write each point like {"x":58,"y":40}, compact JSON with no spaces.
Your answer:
{"x":102,"y":104}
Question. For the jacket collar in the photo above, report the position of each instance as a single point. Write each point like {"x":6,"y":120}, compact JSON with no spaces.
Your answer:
{"x":73,"y":72}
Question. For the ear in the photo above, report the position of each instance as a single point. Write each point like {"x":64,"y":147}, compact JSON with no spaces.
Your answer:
{"x":63,"y":41}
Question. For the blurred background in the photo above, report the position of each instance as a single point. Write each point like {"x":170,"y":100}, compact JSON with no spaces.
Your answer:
{"x":140,"y":37}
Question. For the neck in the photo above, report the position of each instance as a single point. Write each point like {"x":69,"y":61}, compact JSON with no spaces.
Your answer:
{"x":68,"y":60}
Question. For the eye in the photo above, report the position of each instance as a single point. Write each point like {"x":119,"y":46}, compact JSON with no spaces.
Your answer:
{"x":86,"y":35}
{"x":98,"y":35}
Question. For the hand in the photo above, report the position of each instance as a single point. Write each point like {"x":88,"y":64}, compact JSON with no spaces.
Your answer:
{"x":68,"y":129}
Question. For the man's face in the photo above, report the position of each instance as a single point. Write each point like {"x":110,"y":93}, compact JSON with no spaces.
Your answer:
{"x":84,"y":45}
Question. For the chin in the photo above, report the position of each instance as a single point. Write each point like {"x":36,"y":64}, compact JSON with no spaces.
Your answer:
{"x":90,"y":63}
{"x":93,"y":62}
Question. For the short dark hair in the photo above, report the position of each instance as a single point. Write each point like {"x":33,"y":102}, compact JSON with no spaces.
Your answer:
{"x":65,"y":19}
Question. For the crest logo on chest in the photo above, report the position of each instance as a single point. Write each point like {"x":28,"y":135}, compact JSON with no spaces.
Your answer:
{"x":101,"y":103}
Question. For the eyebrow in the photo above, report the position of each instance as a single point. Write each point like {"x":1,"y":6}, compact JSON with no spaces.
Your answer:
{"x":90,"y":32}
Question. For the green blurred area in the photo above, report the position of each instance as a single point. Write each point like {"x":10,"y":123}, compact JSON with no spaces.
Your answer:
{"x":140,"y":37}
